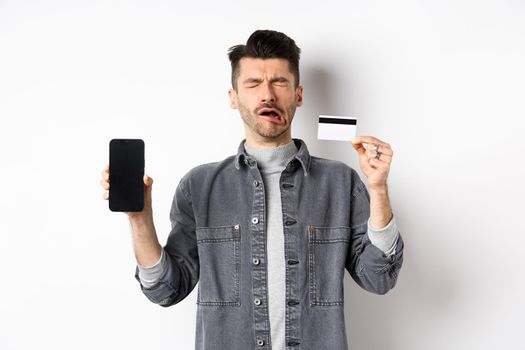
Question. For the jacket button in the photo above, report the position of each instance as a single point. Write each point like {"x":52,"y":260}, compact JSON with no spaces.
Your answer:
{"x":255,"y":183}
{"x":260,"y":342}
{"x":236,"y":227}
{"x":255,"y":220}
{"x":257,"y":301}
{"x":255,"y":261}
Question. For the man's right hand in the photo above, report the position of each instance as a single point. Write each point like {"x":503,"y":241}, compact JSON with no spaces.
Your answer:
{"x":146,"y":213}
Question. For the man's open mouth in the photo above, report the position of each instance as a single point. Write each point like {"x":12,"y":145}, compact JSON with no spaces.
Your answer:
{"x":272,"y":115}
{"x":269,"y":112}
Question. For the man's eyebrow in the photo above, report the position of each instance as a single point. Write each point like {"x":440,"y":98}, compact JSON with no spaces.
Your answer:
{"x":279,"y":79}
{"x":252,"y":80}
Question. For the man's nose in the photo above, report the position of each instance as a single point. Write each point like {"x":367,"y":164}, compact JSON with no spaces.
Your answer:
{"x":267,"y":93}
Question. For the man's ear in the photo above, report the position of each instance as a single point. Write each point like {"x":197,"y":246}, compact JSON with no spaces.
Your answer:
{"x":299,"y":95}
{"x":233,"y":98}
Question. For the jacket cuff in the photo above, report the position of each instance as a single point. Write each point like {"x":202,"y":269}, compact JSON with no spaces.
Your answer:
{"x":163,"y":292}
{"x":150,"y":275}
{"x":385,"y":238}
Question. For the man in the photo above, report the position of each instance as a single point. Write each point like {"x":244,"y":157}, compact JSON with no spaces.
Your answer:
{"x":269,"y":232}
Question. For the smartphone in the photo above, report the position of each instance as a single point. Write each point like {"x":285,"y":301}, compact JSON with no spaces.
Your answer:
{"x":126,"y":173}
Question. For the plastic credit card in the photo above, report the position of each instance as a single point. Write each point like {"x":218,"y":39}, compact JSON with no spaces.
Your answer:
{"x":333,"y":127}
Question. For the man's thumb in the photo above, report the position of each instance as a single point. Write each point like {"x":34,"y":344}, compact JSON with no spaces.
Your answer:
{"x":148,"y":181}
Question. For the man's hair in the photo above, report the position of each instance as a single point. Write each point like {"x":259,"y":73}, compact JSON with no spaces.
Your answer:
{"x":266,"y":44}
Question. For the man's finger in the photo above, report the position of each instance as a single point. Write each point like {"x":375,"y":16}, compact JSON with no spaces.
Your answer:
{"x":104,"y":184}
{"x":359,"y":147}
{"x":371,"y":152}
{"x":148,"y":180}
{"x":369,"y":139}
{"x":382,"y":164}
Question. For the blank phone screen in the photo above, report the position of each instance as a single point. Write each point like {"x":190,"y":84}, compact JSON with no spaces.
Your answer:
{"x":126,"y":172}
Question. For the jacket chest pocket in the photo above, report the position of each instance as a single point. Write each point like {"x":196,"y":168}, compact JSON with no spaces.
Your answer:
{"x":327,"y":248}
{"x":219,"y":260}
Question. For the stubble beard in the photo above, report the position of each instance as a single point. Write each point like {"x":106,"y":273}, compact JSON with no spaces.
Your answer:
{"x":257,"y":125}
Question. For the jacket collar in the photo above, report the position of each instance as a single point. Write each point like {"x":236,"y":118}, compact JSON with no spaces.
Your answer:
{"x":302,"y":155}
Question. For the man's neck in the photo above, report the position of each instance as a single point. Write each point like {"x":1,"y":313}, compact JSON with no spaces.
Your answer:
{"x":272,"y":159}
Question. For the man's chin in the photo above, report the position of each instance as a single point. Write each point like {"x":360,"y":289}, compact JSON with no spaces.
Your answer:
{"x":271,"y":135}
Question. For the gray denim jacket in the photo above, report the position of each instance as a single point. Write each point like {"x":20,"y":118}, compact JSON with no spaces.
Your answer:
{"x":218,"y":239}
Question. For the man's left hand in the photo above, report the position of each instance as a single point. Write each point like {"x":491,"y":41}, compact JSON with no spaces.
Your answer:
{"x":376,"y":170}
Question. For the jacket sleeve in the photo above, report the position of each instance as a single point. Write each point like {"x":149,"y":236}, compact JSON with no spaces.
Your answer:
{"x":182,"y":268}
{"x":368,"y":265}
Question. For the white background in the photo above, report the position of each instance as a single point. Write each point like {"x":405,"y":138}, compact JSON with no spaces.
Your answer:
{"x":443,"y":82}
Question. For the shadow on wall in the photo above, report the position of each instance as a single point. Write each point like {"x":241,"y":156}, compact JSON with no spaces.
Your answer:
{"x":426,"y":288}
{"x":425,"y":283}
{"x":322,"y":96}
